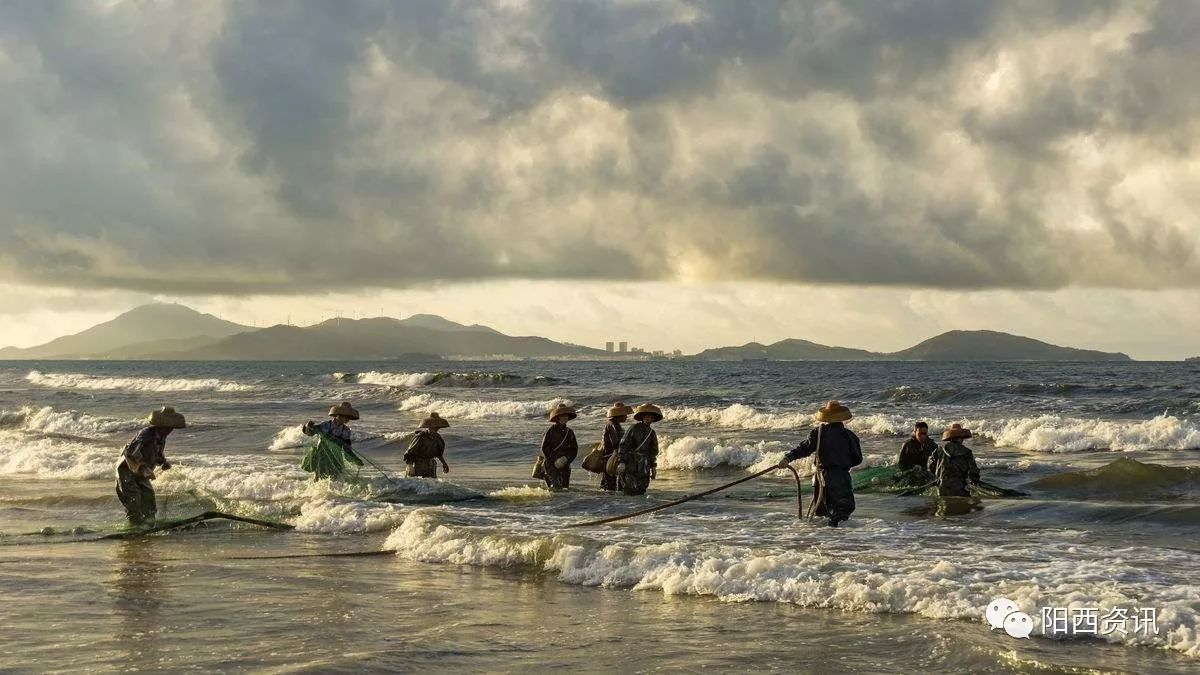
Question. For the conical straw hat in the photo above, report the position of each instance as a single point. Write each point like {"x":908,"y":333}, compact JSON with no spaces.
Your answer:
{"x":344,"y":408}
{"x":619,"y":409}
{"x":434,"y":421}
{"x":168,"y":418}
{"x":956,"y":430}
{"x":834,"y":411}
{"x":563,"y":409}
{"x":648,"y":409}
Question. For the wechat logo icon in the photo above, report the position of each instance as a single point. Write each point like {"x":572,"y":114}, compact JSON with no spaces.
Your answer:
{"x":1004,"y":614}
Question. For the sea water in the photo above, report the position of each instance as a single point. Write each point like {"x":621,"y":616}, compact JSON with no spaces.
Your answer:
{"x":487,"y":575}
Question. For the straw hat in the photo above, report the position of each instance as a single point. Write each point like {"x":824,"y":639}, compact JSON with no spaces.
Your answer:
{"x":834,"y":411}
{"x":434,"y":422}
{"x":563,"y":409}
{"x":345,"y":409}
{"x":648,"y":409}
{"x":619,"y":409}
{"x":167,"y":417}
{"x":956,"y":430}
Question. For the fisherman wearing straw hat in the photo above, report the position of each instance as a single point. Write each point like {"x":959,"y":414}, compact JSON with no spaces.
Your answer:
{"x":954,"y":464}
{"x":427,"y":448}
{"x":637,"y":456}
{"x":322,"y":460}
{"x":611,"y":441}
{"x":559,"y":448}
{"x":139,"y":459}
{"x":837,"y":450}
{"x":337,"y":427}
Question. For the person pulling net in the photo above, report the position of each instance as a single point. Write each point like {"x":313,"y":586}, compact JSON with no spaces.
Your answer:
{"x":332,"y":449}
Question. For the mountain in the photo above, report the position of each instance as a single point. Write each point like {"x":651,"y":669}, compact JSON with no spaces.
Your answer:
{"x":989,"y":345}
{"x":145,"y":324}
{"x":787,"y":350}
{"x":367,"y":339}
{"x":956,"y":345}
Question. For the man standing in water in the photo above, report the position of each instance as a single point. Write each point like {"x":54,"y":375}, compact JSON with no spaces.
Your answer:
{"x":322,"y":460}
{"x":140,"y":458}
{"x":427,"y":448}
{"x":638,"y":454}
{"x":837,"y":449}
{"x":917,"y":450}
{"x":559,"y":448}
{"x":611,"y":441}
{"x":954,"y":464}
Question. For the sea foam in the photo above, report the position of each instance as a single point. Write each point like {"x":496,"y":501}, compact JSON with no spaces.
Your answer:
{"x":150,"y":384}
{"x":478,"y":410}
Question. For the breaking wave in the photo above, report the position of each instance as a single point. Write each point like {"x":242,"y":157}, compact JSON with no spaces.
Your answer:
{"x":906,"y":572}
{"x":447,"y":379}
{"x":1051,"y":433}
{"x":46,"y":458}
{"x":47,"y":420}
{"x":691,"y":452}
{"x":478,"y":410}
{"x":1123,"y":478}
{"x":103,"y":383}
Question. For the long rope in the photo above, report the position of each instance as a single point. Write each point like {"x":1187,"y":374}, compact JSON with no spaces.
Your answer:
{"x":207,"y":515}
{"x":677,"y":502}
{"x":377,"y":468}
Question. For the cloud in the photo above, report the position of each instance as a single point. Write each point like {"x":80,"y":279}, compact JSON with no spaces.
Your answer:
{"x":247,"y":148}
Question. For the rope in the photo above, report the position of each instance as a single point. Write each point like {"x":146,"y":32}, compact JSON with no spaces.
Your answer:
{"x":207,"y":515}
{"x":677,"y":502}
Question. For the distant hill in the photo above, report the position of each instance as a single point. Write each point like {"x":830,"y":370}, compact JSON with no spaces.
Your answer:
{"x":146,"y":324}
{"x":956,"y":345}
{"x":989,"y":345}
{"x":787,"y":350}
{"x":343,"y":339}
{"x":1192,"y":359}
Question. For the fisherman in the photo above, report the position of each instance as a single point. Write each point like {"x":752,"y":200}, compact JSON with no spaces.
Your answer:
{"x":139,"y":460}
{"x":323,"y":461}
{"x":837,"y":449}
{"x":613,"y":432}
{"x":637,"y":456}
{"x":917,"y":450}
{"x":559,"y":449}
{"x":427,"y":448}
{"x":954,"y":464}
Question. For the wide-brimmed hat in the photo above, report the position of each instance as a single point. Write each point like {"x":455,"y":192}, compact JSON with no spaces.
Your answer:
{"x":563,"y":409}
{"x":619,"y":409}
{"x":343,"y":409}
{"x":648,"y":409}
{"x":434,"y":421}
{"x":834,"y":411}
{"x":168,"y":418}
{"x":956,"y":430}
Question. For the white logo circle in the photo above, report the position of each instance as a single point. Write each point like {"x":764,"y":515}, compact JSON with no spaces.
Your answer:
{"x":998,"y":609}
{"x":1018,"y":624}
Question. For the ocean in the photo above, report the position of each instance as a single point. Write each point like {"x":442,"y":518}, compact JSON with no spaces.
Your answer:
{"x":487,"y":577}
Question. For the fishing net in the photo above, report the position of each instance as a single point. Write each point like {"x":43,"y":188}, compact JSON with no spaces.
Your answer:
{"x":917,"y":481}
{"x":327,"y":458}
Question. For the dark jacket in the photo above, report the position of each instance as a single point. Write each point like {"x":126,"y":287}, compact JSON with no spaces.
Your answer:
{"x":914,"y":453}
{"x":559,"y":441}
{"x":955,"y":467}
{"x":145,"y":452}
{"x":839,"y":447}
{"x":612,"y":438}
{"x":641,"y":439}
{"x":425,"y":445}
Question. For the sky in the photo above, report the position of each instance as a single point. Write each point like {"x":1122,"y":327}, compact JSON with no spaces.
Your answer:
{"x":676,"y":174}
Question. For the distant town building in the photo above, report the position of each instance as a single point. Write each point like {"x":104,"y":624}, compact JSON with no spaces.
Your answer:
{"x":657,"y":352}
{"x":624,"y":347}
{"x":677,"y":352}
{"x":608,"y":346}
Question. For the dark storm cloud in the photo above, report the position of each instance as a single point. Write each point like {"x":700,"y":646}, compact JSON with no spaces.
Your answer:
{"x":283,"y":147}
